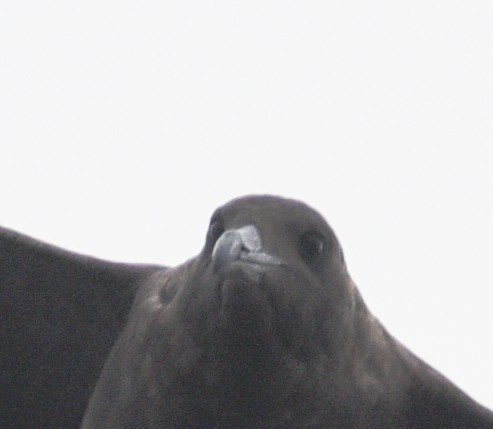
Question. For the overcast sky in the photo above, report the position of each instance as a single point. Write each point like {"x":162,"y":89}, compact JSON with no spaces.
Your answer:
{"x":124,"y":124}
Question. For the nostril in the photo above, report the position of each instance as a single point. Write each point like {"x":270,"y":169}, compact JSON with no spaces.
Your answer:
{"x":250,"y":239}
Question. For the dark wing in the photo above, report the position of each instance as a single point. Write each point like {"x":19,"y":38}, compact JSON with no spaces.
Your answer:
{"x":435,"y":402}
{"x":60,"y":314}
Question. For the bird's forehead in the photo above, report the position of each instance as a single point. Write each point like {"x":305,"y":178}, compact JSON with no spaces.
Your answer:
{"x":266,"y":210}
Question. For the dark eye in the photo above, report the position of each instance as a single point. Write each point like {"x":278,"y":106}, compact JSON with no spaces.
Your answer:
{"x":312,"y":244}
{"x":216,"y":229}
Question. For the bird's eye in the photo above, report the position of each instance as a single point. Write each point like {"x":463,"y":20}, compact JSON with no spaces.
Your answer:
{"x":216,"y":229}
{"x":312,"y":244}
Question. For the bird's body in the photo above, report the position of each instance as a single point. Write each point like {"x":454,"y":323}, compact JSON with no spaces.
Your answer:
{"x":263,"y":329}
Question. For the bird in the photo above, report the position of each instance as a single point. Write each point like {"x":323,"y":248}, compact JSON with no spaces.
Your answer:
{"x":264,"y":328}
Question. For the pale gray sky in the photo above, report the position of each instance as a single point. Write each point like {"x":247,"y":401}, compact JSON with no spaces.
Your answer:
{"x":124,"y":124}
